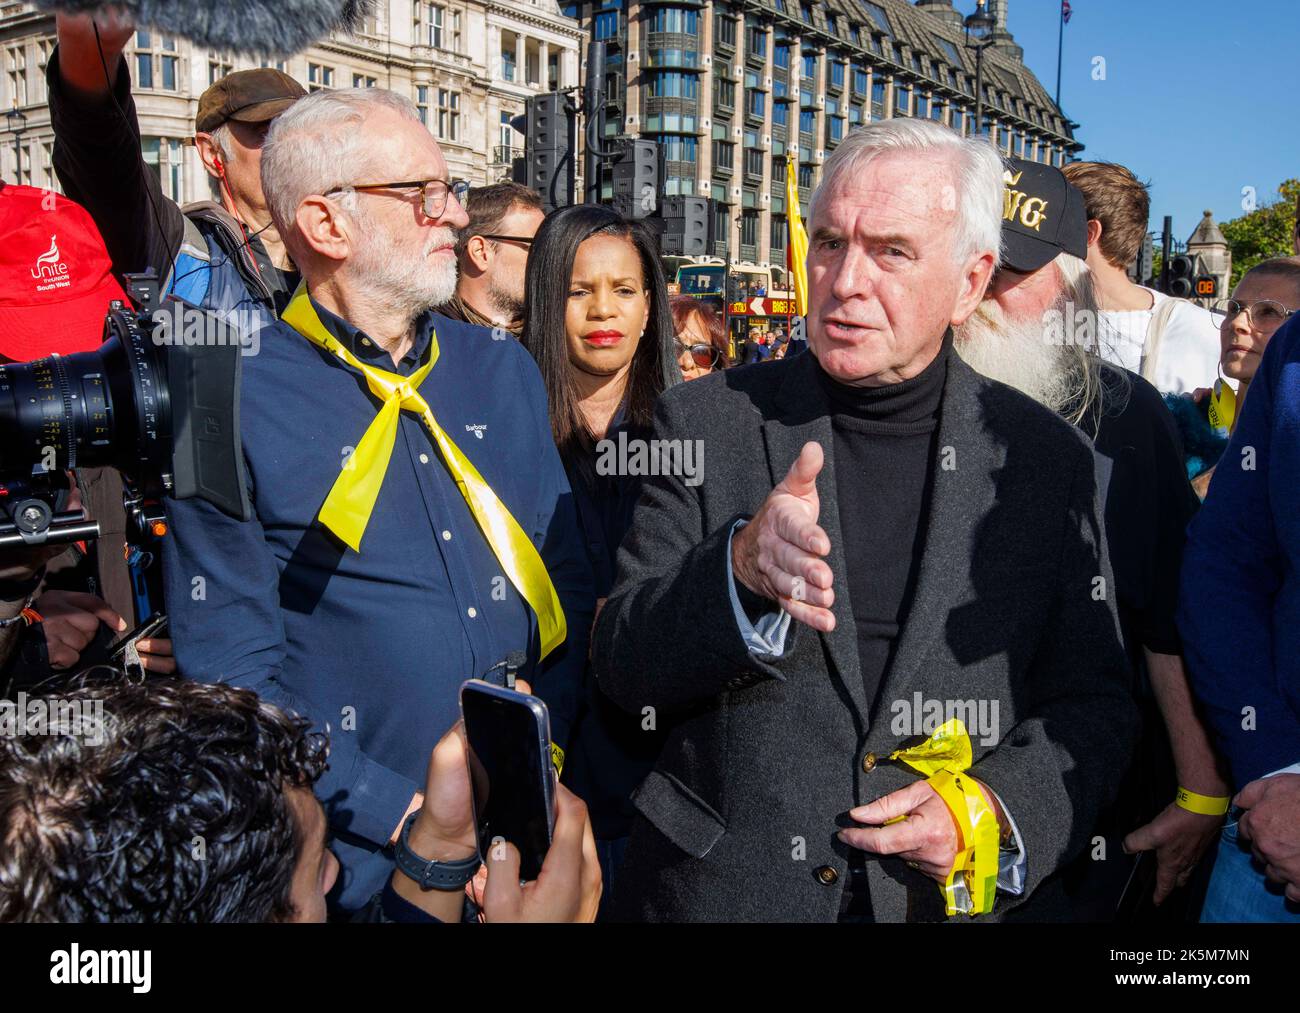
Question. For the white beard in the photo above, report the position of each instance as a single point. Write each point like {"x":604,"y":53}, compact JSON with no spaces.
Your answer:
{"x":1016,"y":352}
{"x":410,"y":281}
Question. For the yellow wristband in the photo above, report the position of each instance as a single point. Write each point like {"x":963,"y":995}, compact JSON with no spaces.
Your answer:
{"x":1205,"y":805}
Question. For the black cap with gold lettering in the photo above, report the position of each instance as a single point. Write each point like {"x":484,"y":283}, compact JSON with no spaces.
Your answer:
{"x":1042,"y":215}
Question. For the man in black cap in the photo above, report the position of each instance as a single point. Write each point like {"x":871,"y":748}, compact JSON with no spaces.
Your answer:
{"x":1036,"y":330}
{"x":223,"y":256}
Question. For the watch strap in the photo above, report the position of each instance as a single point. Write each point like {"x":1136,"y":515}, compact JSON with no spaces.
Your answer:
{"x":430,"y":874}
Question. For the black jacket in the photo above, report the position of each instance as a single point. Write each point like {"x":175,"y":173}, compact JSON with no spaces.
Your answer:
{"x":1014,"y":605}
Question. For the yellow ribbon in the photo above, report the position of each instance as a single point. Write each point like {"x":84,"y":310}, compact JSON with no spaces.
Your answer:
{"x":1223,"y":408}
{"x":352,"y":499}
{"x":944,"y":757}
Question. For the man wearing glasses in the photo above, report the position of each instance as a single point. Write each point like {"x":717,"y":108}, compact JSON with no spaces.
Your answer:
{"x":492,"y":254}
{"x":413,"y":525}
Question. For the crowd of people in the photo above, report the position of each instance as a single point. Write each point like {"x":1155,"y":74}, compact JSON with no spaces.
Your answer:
{"x":1002,"y":481}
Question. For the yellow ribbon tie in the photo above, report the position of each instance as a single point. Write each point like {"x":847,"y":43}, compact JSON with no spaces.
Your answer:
{"x":352,"y":498}
{"x":944,"y":757}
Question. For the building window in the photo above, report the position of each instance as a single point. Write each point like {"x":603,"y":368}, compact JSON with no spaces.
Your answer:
{"x":780,"y":114}
{"x":807,"y":121}
{"x":422,"y":102}
{"x":17,"y":75}
{"x":606,"y":26}
{"x":673,"y":84}
{"x":936,"y":111}
{"x":837,"y":74}
{"x":881,"y":18}
{"x":219,"y":65}
{"x":724,"y":93}
{"x":724,"y":30}
{"x":922,"y":110}
{"x":364,"y":81}
{"x":724,"y":155}
{"x":777,"y":233}
{"x":319,"y":76}
{"x":859,"y":81}
{"x":507,"y":61}
{"x":754,"y":162}
{"x":157,"y":61}
{"x":448,"y":114}
{"x":276,"y":64}
{"x":164,"y":157}
{"x":805,"y":13}
{"x":675,"y":19}
{"x":781,"y":56}
{"x":722,"y":222}
{"x":749,"y":228}
{"x":757,"y":104}
{"x":831,"y":24}
{"x":755,"y":38}
{"x":805,"y":176}
{"x":902,"y":98}
{"x":810,"y":65}
{"x":836,"y":129}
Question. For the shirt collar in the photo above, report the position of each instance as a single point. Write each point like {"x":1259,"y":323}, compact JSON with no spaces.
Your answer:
{"x":368,"y":350}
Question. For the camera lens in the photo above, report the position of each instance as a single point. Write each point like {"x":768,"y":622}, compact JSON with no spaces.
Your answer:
{"x":106,"y":408}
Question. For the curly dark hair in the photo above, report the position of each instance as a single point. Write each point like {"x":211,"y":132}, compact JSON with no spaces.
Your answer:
{"x":173,"y":810}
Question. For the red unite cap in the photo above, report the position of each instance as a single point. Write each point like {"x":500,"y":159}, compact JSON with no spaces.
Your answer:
{"x":56,"y":281}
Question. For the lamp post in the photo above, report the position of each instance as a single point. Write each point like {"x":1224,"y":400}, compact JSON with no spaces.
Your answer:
{"x":18,"y":126}
{"x":979,"y":32}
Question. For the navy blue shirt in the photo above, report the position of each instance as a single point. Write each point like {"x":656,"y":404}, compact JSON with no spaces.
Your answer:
{"x":375,"y":644}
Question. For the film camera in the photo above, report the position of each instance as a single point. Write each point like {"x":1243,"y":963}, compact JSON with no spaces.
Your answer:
{"x":163,"y":413}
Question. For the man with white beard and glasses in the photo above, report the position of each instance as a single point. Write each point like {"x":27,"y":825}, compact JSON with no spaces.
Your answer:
{"x":412,"y":524}
{"x":1036,"y":331}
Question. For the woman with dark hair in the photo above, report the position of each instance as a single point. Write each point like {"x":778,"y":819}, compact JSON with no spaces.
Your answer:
{"x":596,"y":319}
{"x":701,"y":337}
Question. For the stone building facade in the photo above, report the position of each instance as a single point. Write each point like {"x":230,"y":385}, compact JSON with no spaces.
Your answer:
{"x":467,"y":64}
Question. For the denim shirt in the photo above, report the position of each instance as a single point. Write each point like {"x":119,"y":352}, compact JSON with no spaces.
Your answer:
{"x":374,"y":645}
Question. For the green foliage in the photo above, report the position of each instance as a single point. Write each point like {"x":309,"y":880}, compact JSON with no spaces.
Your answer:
{"x":1268,"y":231}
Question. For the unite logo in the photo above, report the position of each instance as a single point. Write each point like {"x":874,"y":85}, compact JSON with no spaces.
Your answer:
{"x":49,"y":266}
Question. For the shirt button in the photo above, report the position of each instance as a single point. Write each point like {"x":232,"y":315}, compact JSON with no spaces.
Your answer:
{"x":826,"y":875}
{"x":424,"y":458}
{"x":869,"y":762}
{"x":471,"y":611}
{"x":446,"y":536}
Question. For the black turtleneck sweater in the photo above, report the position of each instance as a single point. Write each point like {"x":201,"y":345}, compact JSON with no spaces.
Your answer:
{"x":885,"y":446}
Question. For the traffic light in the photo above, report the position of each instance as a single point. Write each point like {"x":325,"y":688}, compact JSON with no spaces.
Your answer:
{"x":1146,"y":260}
{"x":686,"y":226}
{"x":1182,"y":283}
{"x":550,"y":149}
{"x":637,"y":179}
{"x":1207,"y":286}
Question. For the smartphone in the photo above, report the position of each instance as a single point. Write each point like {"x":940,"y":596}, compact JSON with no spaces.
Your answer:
{"x":512,"y":781}
{"x":124,"y":654}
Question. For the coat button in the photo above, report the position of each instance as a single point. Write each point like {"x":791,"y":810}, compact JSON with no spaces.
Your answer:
{"x":869,"y":762}
{"x":826,"y":875}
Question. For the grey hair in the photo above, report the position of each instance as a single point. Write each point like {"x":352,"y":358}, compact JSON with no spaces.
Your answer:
{"x":977,"y":188}
{"x":315,"y":146}
{"x":1094,"y":391}
{"x":221,"y":141}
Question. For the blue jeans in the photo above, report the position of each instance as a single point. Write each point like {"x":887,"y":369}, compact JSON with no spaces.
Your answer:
{"x":1238,"y":891}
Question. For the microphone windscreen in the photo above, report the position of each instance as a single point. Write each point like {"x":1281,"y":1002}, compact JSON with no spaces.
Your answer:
{"x":258,"y":27}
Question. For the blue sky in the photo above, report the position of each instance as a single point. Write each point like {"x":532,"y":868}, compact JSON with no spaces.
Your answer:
{"x":1201,"y":98}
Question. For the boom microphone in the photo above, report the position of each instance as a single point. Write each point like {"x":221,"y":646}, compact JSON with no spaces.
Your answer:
{"x":260,"y":27}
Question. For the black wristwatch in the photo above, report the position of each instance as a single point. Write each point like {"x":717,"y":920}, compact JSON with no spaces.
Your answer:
{"x":429,"y":874}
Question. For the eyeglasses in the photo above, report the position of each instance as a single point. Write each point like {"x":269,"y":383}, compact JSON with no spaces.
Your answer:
{"x":1266,"y":314}
{"x":526,"y":240}
{"x":704,"y":356}
{"x":433,"y":192}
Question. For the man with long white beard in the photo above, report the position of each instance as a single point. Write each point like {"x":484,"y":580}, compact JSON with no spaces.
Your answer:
{"x":1036,"y":330}
{"x":412,"y":524}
